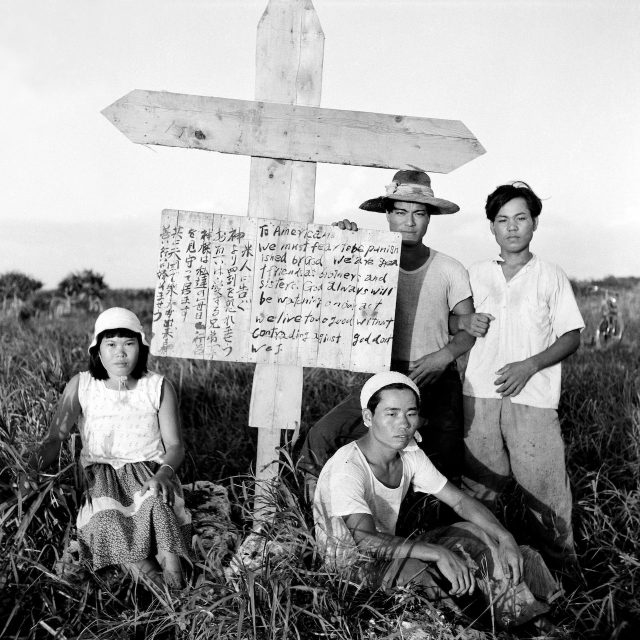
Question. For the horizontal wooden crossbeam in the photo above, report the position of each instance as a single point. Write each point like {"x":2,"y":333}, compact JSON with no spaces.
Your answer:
{"x":293,"y":132}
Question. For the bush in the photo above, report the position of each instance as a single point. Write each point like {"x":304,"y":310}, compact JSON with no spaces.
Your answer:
{"x":84,"y":287}
{"x":18,"y":288}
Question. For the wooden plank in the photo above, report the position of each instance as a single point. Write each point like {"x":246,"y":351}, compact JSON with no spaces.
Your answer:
{"x":275,"y":410}
{"x":231,"y":276}
{"x":164,"y":331}
{"x":312,"y":275}
{"x":245,"y":289}
{"x":191,"y":296}
{"x":276,"y":298}
{"x":269,"y":439}
{"x":296,"y":132}
{"x":289,"y":54}
{"x":338,"y":299}
{"x":375,"y":301}
{"x":289,"y":45}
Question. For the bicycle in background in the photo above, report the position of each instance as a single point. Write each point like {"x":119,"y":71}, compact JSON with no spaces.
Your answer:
{"x":611,"y":324}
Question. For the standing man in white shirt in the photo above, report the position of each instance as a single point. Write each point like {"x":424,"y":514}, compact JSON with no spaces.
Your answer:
{"x":528,"y":322}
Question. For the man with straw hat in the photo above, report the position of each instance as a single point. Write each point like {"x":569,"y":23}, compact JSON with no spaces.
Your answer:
{"x":431,"y":285}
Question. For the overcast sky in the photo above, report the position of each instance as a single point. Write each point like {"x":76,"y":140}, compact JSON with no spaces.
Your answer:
{"x":550,"y":88}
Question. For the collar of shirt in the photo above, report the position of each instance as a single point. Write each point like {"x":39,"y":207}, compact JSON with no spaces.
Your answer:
{"x":525,"y":267}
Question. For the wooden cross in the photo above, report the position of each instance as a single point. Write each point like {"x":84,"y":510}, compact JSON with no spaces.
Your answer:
{"x":285,"y":133}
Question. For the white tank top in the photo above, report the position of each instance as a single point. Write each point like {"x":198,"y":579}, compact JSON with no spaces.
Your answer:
{"x":119,"y":427}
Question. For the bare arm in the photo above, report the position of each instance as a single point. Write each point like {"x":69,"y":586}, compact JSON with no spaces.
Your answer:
{"x":461,"y":341}
{"x":430,"y":367}
{"x":452,"y":567}
{"x":474,"y":511}
{"x":514,"y":376}
{"x":169,"y":421}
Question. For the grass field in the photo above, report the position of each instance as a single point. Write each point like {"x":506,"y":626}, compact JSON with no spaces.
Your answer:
{"x":292,"y":597}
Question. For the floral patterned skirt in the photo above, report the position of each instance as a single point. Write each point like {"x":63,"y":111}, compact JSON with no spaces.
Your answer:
{"x":117,"y":524}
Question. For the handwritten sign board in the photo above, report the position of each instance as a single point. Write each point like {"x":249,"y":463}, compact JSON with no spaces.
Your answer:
{"x":269,"y":291}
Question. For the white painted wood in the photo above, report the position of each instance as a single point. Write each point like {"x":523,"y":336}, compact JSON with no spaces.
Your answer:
{"x":338,"y":307}
{"x":282,"y":253}
{"x":190,"y":302}
{"x":274,"y":389}
{"x":375,"y":302}
{"x":313,"y":297}
{"x":289,"y":55}
{"x":162,"y":335}
{"x":231,"y":275}
{"x":275,"y":292}
{"x":297,"y":132}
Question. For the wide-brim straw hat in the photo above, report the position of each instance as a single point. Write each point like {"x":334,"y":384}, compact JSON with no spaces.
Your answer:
{"x":117,"y":318}
{"x":410,"y":186}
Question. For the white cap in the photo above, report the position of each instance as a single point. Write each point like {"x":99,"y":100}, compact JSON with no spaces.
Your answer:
{"x":117,"y":318}
{"x":380,"y":380}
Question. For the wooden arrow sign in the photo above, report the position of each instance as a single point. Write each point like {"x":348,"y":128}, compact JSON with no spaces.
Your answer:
{"x":294,"y":132}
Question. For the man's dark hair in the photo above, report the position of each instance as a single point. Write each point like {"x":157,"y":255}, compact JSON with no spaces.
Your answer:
{"x":507,"y":192}
{"x":97,"y":370}
{"x":388,"y":203}
{"x":374,"y":400}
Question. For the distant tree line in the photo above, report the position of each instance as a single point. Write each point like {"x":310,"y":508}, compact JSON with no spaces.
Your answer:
{"x":21,"y":294}
{"x":17,"y":286}
{"x":613,"y":283}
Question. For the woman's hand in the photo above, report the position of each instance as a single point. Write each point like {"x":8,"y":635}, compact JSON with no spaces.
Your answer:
{"x":161,"y":484}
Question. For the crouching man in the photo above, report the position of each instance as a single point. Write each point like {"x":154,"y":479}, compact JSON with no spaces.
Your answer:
{"x":356,"y":506}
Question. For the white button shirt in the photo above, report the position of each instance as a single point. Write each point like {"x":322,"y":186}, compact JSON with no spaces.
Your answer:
{"x":531,"y":311}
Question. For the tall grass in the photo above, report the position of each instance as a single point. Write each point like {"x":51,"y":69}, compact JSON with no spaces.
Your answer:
{"x":280,"y":589}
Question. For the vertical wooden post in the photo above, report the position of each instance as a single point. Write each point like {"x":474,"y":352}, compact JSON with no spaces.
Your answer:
{"x":289,"y":56}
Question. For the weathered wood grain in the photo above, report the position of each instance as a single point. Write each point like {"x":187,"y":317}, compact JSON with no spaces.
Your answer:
{"x":296,"y":132}
{"x":273,"y":292}
{"x":163,"y":333}
{"x":289,"y":56}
